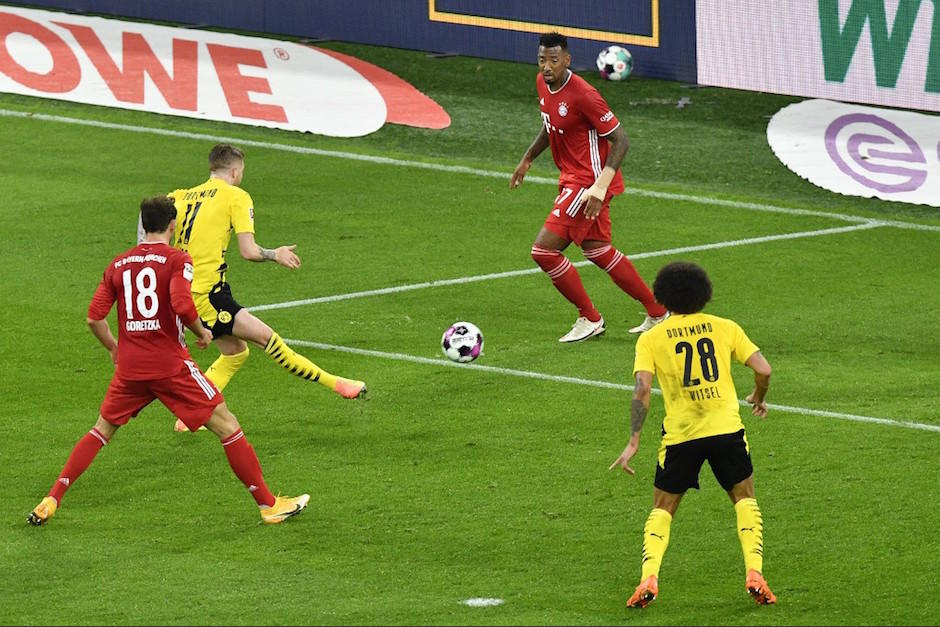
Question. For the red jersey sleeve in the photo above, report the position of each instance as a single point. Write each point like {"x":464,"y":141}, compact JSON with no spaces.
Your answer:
{"x":181,"y":282}
{"x":103,"y":299}
{"x":598,"y":113}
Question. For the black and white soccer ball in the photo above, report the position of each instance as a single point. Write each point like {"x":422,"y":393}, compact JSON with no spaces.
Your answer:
{"x":462,"y":342}
{"x":615,"y":63}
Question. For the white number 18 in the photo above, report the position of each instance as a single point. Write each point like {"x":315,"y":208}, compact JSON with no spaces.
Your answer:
{"x":147,"y":301}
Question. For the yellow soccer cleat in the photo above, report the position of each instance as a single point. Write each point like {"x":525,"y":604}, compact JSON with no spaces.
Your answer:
{"x":43,"y":512}
{"x":284,"y":507}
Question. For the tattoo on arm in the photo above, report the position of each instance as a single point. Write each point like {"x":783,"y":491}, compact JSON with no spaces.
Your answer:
{"x":267,"y":254}
{"x":637,"y":415}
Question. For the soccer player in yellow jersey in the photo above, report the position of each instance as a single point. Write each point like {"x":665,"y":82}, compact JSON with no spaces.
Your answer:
{"x":690,"y":354}
{"x":206,"y":216}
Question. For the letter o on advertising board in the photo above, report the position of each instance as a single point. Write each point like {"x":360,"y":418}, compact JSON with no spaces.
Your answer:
{"x":65,"y":74}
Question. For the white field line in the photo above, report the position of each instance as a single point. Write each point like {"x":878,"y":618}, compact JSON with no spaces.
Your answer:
{"x":598,"y":384}
{"x":865,"y":223}
{"x":450,"y":168}
{"x":514,"y":273}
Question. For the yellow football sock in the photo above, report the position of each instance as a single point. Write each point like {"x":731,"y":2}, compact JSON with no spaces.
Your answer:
{"x":298,"y":364}
{"x":751,"y":533}
{"x":655,"y":541}
{"x":224,"y":368}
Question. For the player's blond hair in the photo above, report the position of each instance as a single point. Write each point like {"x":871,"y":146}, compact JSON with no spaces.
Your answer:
{"x":223,"y":156}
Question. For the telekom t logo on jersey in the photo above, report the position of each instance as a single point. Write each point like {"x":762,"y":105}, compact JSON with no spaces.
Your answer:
{"x":180,"y":89}
{"x":549,"y":127}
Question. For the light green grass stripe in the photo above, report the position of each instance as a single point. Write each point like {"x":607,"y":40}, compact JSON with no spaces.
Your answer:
{"x":514,"y":273}
{"x":598,"y":384}
{"x":459,"y":169}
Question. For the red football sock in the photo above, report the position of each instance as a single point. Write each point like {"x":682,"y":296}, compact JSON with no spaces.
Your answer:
{"x":79,"y":460}
{"x":241,"y":457}
{"x":566,"y":280}
{"x":624,"y":274}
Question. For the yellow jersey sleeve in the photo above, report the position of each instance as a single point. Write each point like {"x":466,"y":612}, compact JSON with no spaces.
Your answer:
{"x":243,"y":212}
{"x":644,"y":356}
{"x":741,"y":345}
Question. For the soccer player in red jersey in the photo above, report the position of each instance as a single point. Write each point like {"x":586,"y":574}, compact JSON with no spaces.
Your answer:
{"x":151,"y":285}
{"x":588,"y":145}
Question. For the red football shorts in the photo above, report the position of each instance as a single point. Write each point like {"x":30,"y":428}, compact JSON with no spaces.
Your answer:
{"x":188,"y":394}
{"x":567,"y":216}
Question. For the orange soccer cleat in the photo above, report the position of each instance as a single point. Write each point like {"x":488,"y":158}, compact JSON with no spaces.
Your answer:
{"x":758,"y":589}
{"x":347,"y":388}
{"x":644,"y":593}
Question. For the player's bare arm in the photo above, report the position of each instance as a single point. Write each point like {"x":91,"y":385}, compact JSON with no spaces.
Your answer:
{"x":283,"y":255}
{"x":761,"y":367}
{"x":539,"y":144}
{"x":619,"y":144}
{"x":639,"y":407}
{"x":203,"y":335}
{"x":102,"y":331}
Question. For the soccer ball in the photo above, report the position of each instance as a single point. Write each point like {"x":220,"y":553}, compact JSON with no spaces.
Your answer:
{"x":462,"y":342}
{"x":615,"y":63}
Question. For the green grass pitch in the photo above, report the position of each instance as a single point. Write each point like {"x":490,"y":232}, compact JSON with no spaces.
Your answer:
{"x":450,"y":483}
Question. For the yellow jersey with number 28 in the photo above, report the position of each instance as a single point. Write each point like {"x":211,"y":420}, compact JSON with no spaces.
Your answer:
{"x":690,"y":356}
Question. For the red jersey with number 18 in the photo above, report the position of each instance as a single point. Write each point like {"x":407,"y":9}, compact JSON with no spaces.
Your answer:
{"x":577,"y":119}
{"x":151,"y":284}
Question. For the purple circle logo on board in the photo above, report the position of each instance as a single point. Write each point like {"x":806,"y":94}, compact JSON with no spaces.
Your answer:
{"x":864,"y":168}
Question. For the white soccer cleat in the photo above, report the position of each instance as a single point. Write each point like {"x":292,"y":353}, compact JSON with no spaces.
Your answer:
{"x":649,"y":323}
{"x":583,"y":329}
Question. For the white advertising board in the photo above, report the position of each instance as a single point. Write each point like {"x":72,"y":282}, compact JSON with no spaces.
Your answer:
{"x":177,"y":71}
{"x":884,"y":52}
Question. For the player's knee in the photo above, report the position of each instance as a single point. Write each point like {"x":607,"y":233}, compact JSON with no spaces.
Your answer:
{"x":247,"y":326}
{"x":603,"y":256}
{"x":546,"y":258}
{"x":222,"y":422}
{"x":742,"y":489}
{"x":667,"y":501}
{"x":105,"y":428}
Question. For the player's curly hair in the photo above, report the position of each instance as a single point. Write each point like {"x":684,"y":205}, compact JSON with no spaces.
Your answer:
{"x":682,"y":287}
{"x":224,"y":156}
{"x":156,"y":213}
{"x":550,"y":40}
